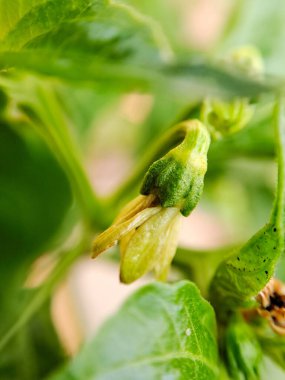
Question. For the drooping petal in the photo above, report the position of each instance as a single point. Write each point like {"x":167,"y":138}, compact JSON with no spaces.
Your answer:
{"x":145,"y":246}
{"x":134,"y":206}
{"x":109,"y":237}
{"x":168,"y":250}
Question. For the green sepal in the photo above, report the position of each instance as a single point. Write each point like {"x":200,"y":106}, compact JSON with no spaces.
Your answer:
{"x":177,"y":179}
{"x":242,"y":350}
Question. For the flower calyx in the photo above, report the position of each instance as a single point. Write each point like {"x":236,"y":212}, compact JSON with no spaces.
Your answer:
{"x":177,"y":179}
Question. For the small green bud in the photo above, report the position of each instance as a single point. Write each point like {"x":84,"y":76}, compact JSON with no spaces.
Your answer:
{"x":243,"y":352}
{"x":177,"y":179}
{"x":224,"y":118}
{"x":247,"y":59}
{"x":227,"y":117}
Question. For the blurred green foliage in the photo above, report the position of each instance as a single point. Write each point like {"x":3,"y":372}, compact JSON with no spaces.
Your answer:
{"x":64,"y":66}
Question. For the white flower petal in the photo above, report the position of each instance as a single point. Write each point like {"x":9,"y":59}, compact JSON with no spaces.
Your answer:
{"x":144,"y":247}
{"x":133,"y":207}
{"x":168,"y":250}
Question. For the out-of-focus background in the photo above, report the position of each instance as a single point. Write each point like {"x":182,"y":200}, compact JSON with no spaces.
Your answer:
{"x":113,"y":128}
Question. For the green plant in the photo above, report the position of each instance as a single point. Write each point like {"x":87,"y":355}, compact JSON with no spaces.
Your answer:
{"x":212,"y":136}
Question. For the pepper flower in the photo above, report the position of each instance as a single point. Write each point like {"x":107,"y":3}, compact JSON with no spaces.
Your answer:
{"x":147,"y":228}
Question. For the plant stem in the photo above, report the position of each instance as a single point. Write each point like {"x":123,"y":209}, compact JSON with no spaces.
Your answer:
{"x":54,"y":129}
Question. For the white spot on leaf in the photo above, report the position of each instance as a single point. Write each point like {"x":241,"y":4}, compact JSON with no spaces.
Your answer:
{"x":188,"y":332}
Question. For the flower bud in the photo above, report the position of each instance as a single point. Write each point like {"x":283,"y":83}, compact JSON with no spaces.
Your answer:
{"x":224,"y":118}
{"x":227,"y":117}
{"x":246,"y":59}
{"x":177,"y":179}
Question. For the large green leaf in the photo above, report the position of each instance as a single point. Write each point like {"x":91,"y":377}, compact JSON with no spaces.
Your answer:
{"x":168,"y":17}
{"x":192,"y":80}
{"x":35,"y":195}
{"x":243,"y":352}
{"x":161,"y":332}
{"x":113,"y":43}
{"x":34,"y":198}
{"x":274,"y":347}
{"x":98,"y":27}
{"x":12,"y":11}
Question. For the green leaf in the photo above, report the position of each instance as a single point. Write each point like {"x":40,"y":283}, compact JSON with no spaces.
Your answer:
{"x":112,"y":42}
{"x":3,"y":101}
{"x":162,"y":331}
{"x":272,"y":371}
{"x":243,"y":352}
{"x":245,"y":273}
{"x":168,"y":17}
{"x":106,"y":29}
{"x":12,"y":11}
{"x":83,"y":107}
{"x":39,"y":103}
{"x":193,"y":81}
{"x":274,"y":347}
{"x":35,"y":195}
